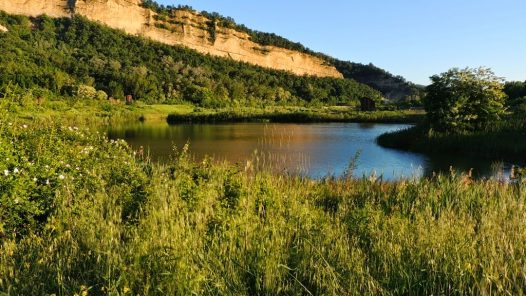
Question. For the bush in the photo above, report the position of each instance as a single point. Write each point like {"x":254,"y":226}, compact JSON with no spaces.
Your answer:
{"x":40,"y":161}
{"x":86,"y":92}
{"x":101,"y":95}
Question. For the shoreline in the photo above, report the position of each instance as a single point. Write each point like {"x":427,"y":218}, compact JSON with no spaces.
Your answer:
{"x":96,"y":112}
{"x":502,"y":143}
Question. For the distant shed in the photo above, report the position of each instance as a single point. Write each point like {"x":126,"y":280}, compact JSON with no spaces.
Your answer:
{"x":367,"y":104}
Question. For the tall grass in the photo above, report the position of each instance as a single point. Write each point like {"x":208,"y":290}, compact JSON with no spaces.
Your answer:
{"x":217,"y":229}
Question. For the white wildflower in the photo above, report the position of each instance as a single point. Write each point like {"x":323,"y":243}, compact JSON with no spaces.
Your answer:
{"x":6,"y":172}
{"x":16,"y":171}
{"x":24,"y":126}
{"x":61,"y":177}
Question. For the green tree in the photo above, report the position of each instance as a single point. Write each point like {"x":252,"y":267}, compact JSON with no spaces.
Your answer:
{"x":464,"y":99}
{"x":516,"y":92}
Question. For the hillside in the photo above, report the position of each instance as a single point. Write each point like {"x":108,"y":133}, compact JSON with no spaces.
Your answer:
{"x":80,"y":58}
{"x":210,"y":33}
{"x":181,"y":28}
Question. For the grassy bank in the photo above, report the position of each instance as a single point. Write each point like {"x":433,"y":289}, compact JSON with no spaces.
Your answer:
{"x":81,"y":214}
{"x":90,"y":112}
{"x":504,"y":140}
{"x":297,"y":115}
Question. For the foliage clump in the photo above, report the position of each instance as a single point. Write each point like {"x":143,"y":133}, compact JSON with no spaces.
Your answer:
{"x":516,"y":92}
{"x":464,"y":100}
{"x":41,"y":160}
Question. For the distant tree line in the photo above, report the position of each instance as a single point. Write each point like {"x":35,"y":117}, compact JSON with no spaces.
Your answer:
{"x":516,"y":92}
{"x":72,"y":56}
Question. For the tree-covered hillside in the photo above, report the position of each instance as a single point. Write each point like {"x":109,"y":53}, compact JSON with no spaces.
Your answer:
{"x":78,"y":57}
{"x":391,"y":86}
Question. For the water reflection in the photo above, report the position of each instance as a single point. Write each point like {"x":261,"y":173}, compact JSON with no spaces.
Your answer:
{"x":311,"y":149}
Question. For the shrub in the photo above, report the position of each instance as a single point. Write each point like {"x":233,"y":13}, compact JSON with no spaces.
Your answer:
{"x":40,"y":161}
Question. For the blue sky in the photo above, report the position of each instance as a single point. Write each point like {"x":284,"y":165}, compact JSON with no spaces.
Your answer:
{"x":412,"y":38}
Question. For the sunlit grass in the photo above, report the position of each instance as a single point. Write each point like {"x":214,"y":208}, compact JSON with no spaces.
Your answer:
{"x":120,"y":225}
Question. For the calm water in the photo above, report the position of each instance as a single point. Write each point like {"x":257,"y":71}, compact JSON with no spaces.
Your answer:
{"x":315,"y":150}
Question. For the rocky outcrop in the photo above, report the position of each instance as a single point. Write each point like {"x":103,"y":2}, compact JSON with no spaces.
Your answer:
{"x":54,"y":8}
{"x":181,"y":28}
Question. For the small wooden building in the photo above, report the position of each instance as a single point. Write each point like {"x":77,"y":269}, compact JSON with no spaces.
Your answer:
{"x":129,"y":99}
{"x":367,"y":104}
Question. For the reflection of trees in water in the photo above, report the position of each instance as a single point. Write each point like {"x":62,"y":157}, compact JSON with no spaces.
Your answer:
{"x":305,"y":149}
{"x":480,"y":168}
{"x":276,"y":151}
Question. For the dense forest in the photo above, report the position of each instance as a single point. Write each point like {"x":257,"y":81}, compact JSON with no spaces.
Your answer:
{"x":391,"y":86}
{"x":516,"y":92}
{"x":76,"y":57}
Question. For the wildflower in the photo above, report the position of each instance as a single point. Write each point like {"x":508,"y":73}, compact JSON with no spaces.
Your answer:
{"x":47,"y":182}
{"x":24,"y":126}
{"x":126,"y":290}
{"x":6,"y":172}
{"x":16,"y":171}
{"x":35,"y":179}
{"x":61,"y":177}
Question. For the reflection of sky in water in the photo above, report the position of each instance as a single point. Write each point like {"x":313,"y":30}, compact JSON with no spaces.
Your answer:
{"x":312,"y":149}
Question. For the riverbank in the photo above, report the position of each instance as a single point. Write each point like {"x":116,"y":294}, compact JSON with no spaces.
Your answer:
{"x":105,"y":112}
{"x":296,"y":115}
{"x":503,"y":140}
{"x":82,"y":214}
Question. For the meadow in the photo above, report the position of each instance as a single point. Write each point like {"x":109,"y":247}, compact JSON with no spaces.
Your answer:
{"x":80,"y":214}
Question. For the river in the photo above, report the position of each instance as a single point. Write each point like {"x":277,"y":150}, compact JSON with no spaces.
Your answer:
{"x":315,"y":150}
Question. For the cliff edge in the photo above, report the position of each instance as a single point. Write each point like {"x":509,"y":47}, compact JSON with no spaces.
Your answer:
{"x":180,"y":28}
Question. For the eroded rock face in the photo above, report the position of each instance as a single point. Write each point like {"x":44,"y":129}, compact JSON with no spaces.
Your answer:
{"x":54,"y":8}
{"x":183,"y":28}
{"x":125,"y":15}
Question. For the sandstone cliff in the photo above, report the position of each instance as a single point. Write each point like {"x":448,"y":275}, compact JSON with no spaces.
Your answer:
{"x":182,"y":28}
